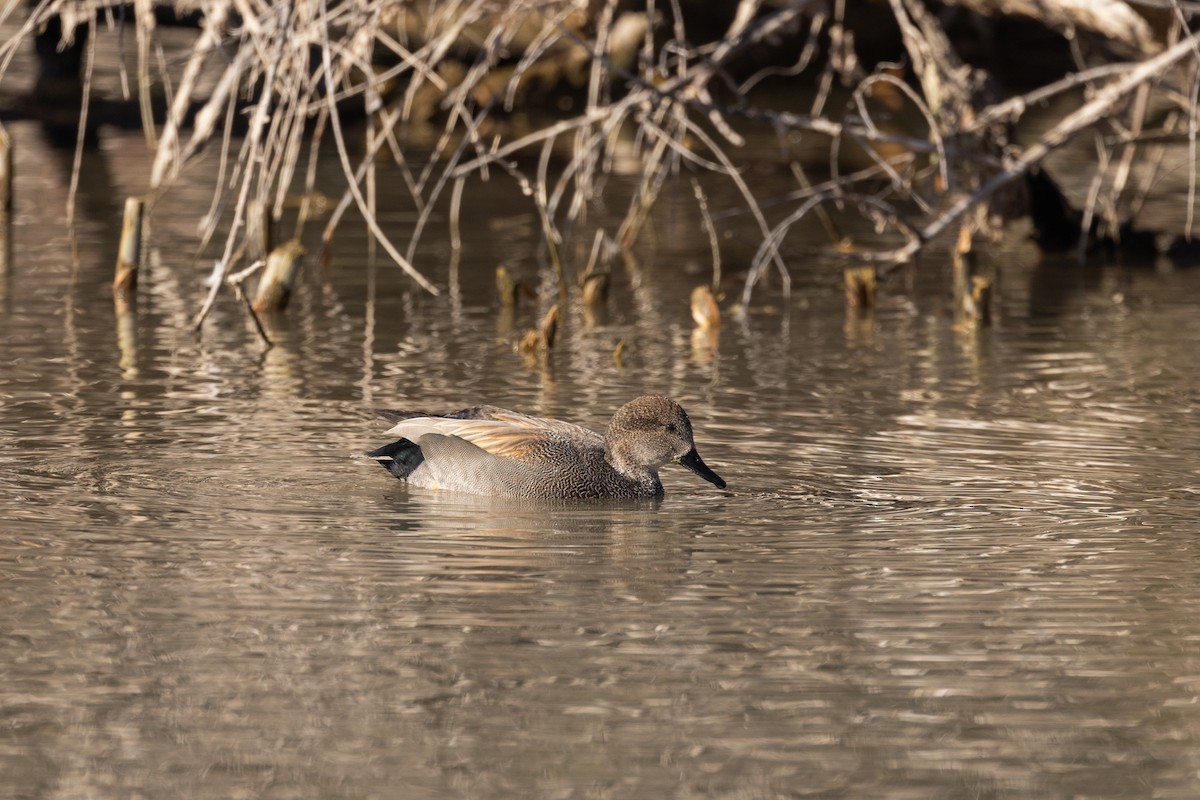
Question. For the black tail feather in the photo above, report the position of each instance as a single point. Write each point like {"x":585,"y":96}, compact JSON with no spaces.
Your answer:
{"x":403,"y":456}
{"x":400,"y":457}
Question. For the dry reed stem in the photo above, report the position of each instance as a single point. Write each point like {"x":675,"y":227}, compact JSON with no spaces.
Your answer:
{"x":6,"y":175}
{"x":77,"y":162}
{"x":372,"y":223}
{"x":165,"y":159}
{"x":714,"y":243}
{"x":899,"y":184}
{"x":1091,"y":112}
{"x":297,"y":67}
{"x":257,"y":124}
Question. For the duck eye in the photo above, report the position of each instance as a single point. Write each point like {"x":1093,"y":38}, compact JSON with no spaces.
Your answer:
{"x":671,"y":427}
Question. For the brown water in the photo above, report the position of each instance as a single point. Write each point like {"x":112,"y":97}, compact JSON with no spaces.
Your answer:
{"x":949,"y":564}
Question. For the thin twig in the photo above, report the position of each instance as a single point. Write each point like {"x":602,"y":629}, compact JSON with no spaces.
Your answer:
{"x":77,"y":162}
{"x":372,"y":223}
{"x":713,"y":242}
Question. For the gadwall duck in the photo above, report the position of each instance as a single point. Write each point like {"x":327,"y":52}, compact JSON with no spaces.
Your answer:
{"x":490,"y":451}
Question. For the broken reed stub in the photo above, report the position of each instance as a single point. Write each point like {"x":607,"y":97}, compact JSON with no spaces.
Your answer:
{"x":972,"y":292}
{"x":860,"y":287}
{"x":6,"y":173}
{"x":6,"y":203}
{"x":541,"y":341}
{"x":278,"y":278}
{"x":548,"y":330}
{"x":129,"y":251}
{"x":595,"y":299}
{"x":511,"y":289}
{"x":705,"y":311}
{"x":595,"y":289}
{"x":619,"y":353}
{"x":507,"y":288}
{"x":976,"y":305}
{"x":962,"y":261}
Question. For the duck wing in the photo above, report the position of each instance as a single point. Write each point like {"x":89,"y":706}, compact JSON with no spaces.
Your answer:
{"x":505,"y":434}
{"x":567,"y":430}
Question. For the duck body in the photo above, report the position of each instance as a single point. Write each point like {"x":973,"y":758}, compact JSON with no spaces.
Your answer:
{"x":491,"y":451}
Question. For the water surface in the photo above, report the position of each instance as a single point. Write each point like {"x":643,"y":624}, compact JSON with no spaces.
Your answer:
{"x":950,"y":563}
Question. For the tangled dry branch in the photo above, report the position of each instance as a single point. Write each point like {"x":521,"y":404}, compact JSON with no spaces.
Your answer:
{"x":269,"y":82}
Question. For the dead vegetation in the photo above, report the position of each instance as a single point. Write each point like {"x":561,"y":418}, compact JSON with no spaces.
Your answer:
{"x":268,"y":83}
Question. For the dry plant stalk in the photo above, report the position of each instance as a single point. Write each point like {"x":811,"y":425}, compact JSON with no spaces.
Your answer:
{"x":129,"y":253}
{"x":292,"y":73}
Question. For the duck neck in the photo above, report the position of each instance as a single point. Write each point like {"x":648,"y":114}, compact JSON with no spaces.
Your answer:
{"x":623,"y":461}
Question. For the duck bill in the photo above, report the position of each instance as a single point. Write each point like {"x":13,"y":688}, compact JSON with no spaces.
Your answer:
{"x":693,"y":462}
